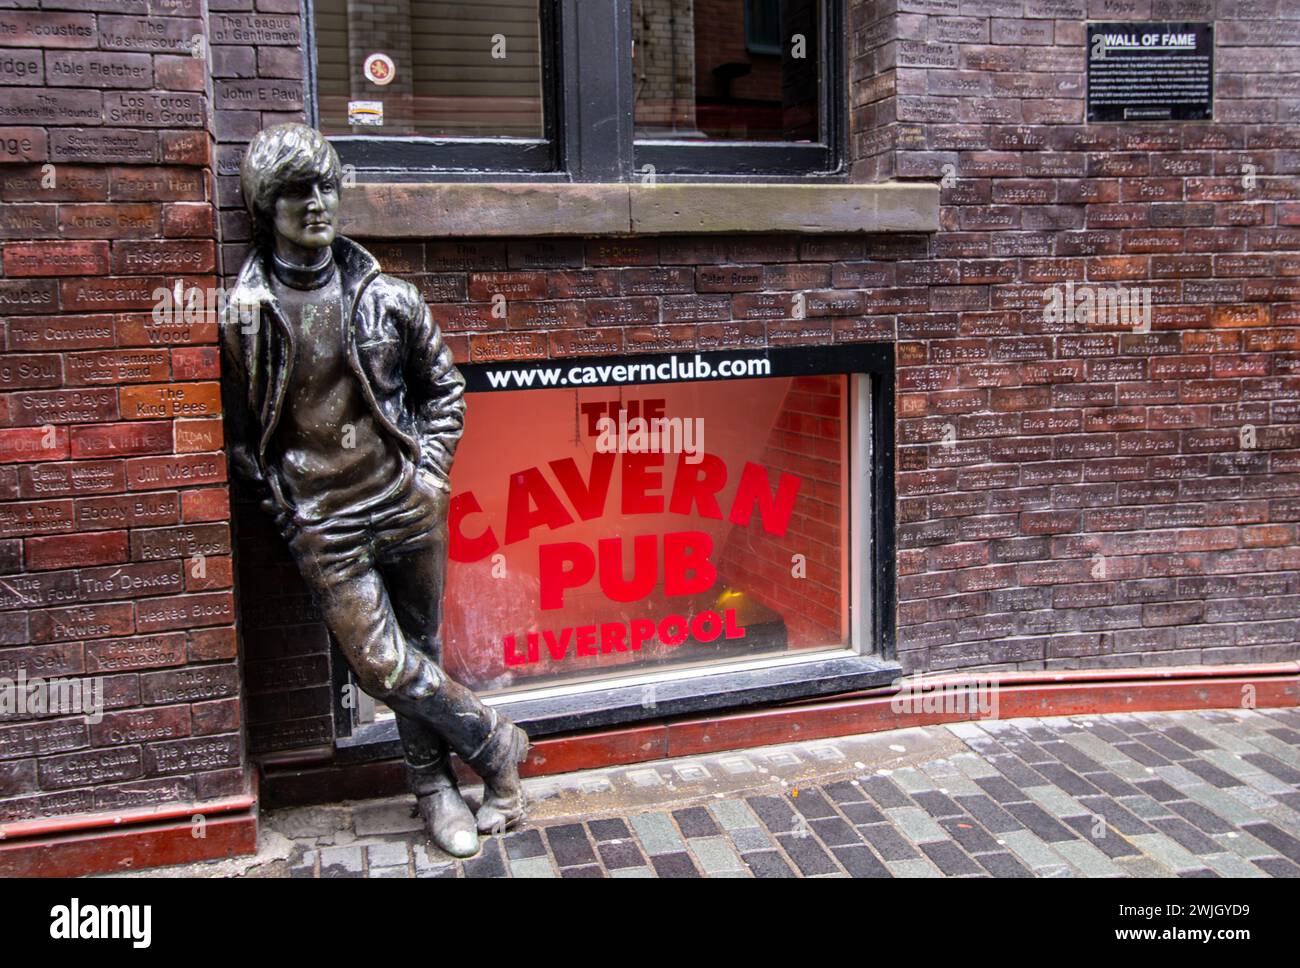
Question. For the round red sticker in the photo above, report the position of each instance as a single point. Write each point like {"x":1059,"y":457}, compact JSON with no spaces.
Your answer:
{"x":379,"y":69}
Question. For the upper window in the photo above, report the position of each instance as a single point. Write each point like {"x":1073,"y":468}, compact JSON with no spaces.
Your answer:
{"x":582,"y":90}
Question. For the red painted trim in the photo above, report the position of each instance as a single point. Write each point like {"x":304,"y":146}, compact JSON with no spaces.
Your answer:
{"x":105,"y":851}
{"x":1047,"y":693}
{"x":90,"y":821}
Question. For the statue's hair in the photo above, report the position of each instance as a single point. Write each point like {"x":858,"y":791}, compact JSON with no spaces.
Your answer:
{"x":277,"y":157}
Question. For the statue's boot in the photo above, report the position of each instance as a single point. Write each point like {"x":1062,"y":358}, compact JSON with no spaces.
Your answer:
{"x":487,"y":741}
{"x":504,"y":803}
{"x":447,"y":816}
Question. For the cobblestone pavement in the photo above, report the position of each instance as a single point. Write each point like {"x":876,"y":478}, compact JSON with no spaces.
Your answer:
{"x":1203,"y":794}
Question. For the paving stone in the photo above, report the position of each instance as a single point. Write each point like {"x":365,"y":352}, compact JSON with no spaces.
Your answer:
{"x":915,"y":824}
{"x":812,"y":805}
{"x":950,"y":859}
{"x":1188,"y":739}
{"x":1142,"y":754}
{"x":625,"y":853}
{"x":1143,"y":866}
{"x":1056,"y":801}
{"x":1159,"y":790}
{"x":696,"y":822}
{"x":1111,"y":783}
{"x":341,"y":862}
{"x":1251,"y":797}
{"x":713,"y":854}
{"x":1028,"y":847}
{"x":1281,"y":841}
{"x":432,"y":863}
{"x":1274,"y":767}
{"x":570,"y":845}
{"x":937,"y":805}
{"x":656,"y":833}
{"x":1206,"y":821}
{"x":587,"y":871}
{"x":1115,"y":815}
{"x":1167,"y":852}
{"x":860,"y":813}
{"x":844,"y":791}
{"x":614,"y":829}
{"x":1040,"y":822}
{"x":387,"y":855}
{"x":1016,"y":769}
{"x":1185,"y":834}
{"x":1001,"y":789}
{"x":733,"y":814}
{"x":775,"y":812}
{"x":859,"y":861}
{"x":974,"y":766}
{"x":1277,"y":867}
{"x":520,"y":844}
{"x":913,"y":868}
{"x":1199,"y":872}
{"x":1212,"y":774}
{"x":885,"y":793}
{"x":973,"y":838}
{"x":749,"y":839}
{"x":767,"y":863}
{"x":674,"y":865}
{"x":1230,"y":865}
{"x":1106,"y":732}
{"x":993,"y":817}
{"x":888,"y":842}
{"x":1166,"y":747}
{"x":808,"y":854}
{"x":834,"y":832}
{"x":1143,"y":807}
{"x":633,"y":872}
{"x":490,"y":862}
{"x":384,"y":817}
{"x":912,"y":781}
{"x":1067,"y":780}
{"x":1090,"y":861}
{"x":1002,"y":863}
{"x":1110,"y":842}
{"x":1244,"y":845}
{"x":1178,"y":776}
{"x":532,"y":867}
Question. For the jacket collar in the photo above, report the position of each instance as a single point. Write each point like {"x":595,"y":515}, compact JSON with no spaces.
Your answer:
{"x":356,"y":268}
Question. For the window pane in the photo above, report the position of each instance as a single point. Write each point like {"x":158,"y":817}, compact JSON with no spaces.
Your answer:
{"x":459,"y":69}
{"x":571,"y":562}
{"x":728,"y":70}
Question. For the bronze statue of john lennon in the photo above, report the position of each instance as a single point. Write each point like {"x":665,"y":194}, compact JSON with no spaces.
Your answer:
{"x":344,"y":409}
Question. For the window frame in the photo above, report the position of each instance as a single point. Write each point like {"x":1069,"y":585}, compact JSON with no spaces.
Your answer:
{"x":588,"y":118}
{"x":868,"y":660}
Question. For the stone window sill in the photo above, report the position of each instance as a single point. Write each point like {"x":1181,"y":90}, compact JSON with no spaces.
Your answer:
{"x":476,"y":209}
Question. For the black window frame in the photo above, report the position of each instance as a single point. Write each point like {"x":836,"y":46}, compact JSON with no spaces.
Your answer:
{"x":587,"y":118}
{"x":711,"y":689}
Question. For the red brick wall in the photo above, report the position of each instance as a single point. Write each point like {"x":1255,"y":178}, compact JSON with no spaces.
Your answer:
{"x":1099,"y":501}
{"x":112,"y":476}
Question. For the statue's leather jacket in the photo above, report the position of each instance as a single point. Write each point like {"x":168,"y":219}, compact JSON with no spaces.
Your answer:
{"x":406,"y":371}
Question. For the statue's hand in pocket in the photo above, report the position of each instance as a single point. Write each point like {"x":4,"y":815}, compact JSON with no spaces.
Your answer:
{"x":282,"y":517}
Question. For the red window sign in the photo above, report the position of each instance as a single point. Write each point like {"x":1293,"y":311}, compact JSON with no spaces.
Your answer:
{"x":615,"y":530}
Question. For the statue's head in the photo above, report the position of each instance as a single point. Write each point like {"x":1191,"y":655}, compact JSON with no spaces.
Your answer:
{"x":291,"y":178}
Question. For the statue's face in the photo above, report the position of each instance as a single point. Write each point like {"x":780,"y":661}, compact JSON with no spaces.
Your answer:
{"x":305,"y":212}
